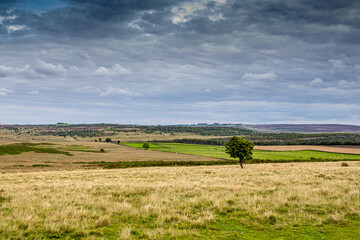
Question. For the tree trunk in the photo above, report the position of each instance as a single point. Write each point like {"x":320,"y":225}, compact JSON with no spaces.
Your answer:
{"x":241,"y":162}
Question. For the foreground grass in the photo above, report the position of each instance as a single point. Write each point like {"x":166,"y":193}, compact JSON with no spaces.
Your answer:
{"x":258,"y":155}
{"x":263,"y":201}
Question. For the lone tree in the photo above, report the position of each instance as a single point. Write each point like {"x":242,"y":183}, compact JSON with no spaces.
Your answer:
{"x":146,"y":146}
{"x":239,"y":148}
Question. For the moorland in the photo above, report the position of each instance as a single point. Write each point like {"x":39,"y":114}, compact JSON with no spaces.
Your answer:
{"x":97,"y":182}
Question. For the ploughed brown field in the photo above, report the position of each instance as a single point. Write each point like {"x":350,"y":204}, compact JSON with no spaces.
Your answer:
{"x":332,"y":149}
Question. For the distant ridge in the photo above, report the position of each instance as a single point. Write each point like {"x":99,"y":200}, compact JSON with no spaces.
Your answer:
{"x":305,"y":128}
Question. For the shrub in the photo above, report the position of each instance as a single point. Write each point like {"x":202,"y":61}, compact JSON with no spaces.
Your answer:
{"x":146,"y":146}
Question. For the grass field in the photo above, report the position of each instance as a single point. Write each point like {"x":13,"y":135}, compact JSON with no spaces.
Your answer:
{"x":44,"y":194}
{"x":21,"y":157}
{"x":18,"y":148}
{"x":219,"y":152}
{"x":262,"y":201}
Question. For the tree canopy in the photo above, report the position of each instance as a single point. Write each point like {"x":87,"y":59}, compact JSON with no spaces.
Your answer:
{"x":146,"y":146}
{"x":239,"y":148}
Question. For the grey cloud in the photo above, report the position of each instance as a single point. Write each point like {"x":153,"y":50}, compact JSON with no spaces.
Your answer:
{"x":111,"y":91}
{"x":46,"y":68}
{"x":4,"y":91}
{"x":5,"y":71}
{"x":114,"y":71}
{"x":235,"y":52}
{"x":317,"y":82}
{"x":261,"y":76}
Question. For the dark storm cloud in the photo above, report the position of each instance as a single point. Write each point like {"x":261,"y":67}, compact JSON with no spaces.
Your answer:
{"x":185,"y":59}
{"x":95,"y":19}
{"x":8,"y":3}
{"x":310,"y":21}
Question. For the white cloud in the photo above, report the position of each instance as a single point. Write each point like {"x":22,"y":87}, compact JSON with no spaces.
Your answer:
{"x":134,"y":25}
{"x":347,"y":84}
{"x":256,"y":77}
{"x":34,"y":92}
{"x":339,"y":65}
{"x":116,"y":70}
{"x":2,"y":19}
{"x":8,"y":70}
{"x":220,"y":1}
{"x":317,"y":82}
{"x":217,"y":17}
{"x":13,"y":17}
{"x":182,"y":14}
{"x":45,"y":68}
{"x":14,"y":28}
{"x":5,"y":71}
{"x":111,"y":91}
{"x":4,"y":91}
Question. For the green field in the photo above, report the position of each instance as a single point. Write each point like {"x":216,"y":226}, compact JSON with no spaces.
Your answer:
{"x":17,"y":148}
{"x":258,"y":155}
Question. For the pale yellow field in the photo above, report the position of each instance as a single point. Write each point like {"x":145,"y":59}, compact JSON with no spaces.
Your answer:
{"x":95,"y":203}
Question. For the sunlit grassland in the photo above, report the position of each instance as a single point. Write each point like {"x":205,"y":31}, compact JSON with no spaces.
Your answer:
{"x":219,"y":152}
{"x":262,"y":201}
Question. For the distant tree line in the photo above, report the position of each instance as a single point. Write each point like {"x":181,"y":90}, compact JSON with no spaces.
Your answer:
{"x":79,"y":133}
{"x":221,"y":134}
{"x":264,"y":139}
{"x":204,"y":131}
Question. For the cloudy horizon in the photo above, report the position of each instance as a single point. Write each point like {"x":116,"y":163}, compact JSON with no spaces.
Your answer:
{"x":179,"y":62}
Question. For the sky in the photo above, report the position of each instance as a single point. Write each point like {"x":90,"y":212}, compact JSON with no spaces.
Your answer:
{"x":179,"y":62}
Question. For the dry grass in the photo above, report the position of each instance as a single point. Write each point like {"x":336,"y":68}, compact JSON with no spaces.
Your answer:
{"x":175,"y":202}
{"x":332,"y":149}
{"x":113,"y":153}
{"x":8,"y":137}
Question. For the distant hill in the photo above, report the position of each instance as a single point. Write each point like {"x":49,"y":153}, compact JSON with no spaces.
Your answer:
{"x":304,"y":128}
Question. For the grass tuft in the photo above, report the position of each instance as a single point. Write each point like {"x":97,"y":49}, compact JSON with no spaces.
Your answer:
{"x":134,"y":164}
{"x":41,"y":165}
{"x":344,"y":164}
